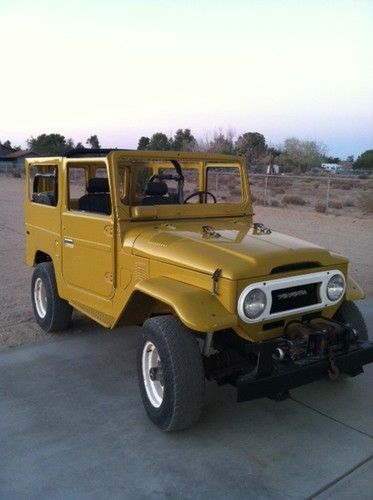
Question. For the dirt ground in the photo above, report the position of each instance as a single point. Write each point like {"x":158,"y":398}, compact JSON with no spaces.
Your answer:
{"x":349,"y":236}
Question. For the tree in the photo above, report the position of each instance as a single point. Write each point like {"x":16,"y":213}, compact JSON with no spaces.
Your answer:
{"x":159,"y":142}
{"x":79,"y":146}
{"x":183,"y":141}
{"x":302,"y":154}
{"x":251,"y":145}
{"x":332,"y":159}
{"x":7,"y":144}
{"x":70,"y":143}
{"x":365,"y":161}
{"x":350,"y":158}
{"x":49,"y":144}
{"x":143,"y":143}
{"x":222,"y":143}
{"x":93,"y":142}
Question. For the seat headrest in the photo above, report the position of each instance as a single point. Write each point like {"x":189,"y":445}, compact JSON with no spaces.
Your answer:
{"x":98,"y":185}
{"x":158,"y":188}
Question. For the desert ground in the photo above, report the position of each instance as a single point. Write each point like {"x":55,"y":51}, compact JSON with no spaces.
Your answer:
{"x":347,"y":235}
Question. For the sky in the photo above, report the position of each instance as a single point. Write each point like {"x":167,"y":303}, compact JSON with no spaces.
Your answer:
{"x":122,"y":69}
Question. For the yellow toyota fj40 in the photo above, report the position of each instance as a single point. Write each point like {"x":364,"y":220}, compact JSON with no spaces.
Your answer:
{"x":167,"y":240}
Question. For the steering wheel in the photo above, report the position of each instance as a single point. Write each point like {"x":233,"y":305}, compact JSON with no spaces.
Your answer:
{"x":200,"y":194}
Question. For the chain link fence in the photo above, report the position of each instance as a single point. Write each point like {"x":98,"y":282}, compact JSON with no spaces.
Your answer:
{"x":331,"y":194}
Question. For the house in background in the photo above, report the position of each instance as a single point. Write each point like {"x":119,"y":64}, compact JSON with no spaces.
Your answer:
{"x":12,"y":160}
{"x":5,"y":150}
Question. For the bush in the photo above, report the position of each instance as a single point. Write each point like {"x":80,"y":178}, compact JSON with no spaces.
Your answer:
{"x":259,"y":201}
{"x":335,"y":204}
{"x":345,"y":184}
{"x":366,"y":203}
{"x":293,"y":199}
{"x":275,"y":203}
{"x":320,"y":207}
{"x":286,"y":182}
{"x":277,"y":190}
{"x":349,"y":202}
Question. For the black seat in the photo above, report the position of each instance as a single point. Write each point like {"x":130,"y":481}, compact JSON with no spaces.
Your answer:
{"x":98,"y":198}
{"x":156,"y":191}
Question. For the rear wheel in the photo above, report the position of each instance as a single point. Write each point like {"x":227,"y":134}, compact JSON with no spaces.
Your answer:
{"x":51,"y":312}
{"x":350,"y":314}
{"x":170,"y":372}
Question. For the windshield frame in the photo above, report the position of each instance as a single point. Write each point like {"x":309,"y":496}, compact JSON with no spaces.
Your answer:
{"x":177,"y":210}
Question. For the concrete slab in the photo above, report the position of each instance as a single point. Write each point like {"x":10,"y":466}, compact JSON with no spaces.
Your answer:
{"x":72,"y":426}
{"x":357,"y":484}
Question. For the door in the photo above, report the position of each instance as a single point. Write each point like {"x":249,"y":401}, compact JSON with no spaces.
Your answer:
{"x":88,"y":253}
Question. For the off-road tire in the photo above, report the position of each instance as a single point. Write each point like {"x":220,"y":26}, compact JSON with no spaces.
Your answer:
{"x":183,"y":373}
{"x":350,"y":314}
{"x":57,"y":311}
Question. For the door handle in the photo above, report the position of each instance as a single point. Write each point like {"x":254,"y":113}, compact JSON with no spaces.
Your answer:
{"x":69,"y":242}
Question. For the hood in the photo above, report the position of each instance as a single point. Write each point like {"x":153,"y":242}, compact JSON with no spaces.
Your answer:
{"x":233,"y":246}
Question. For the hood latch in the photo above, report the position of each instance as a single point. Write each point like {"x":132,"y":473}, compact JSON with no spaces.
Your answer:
{"x":210,"y":232}
{"x":215,"y":278}
{"x":259,"y":228}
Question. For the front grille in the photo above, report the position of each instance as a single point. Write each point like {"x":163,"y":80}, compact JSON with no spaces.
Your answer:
{"x":295,"y":297}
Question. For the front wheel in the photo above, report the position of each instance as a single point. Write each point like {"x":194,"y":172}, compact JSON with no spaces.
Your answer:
{"x":51,"y":312}
{"x":170,"y":373}
{"x":349,"y":314}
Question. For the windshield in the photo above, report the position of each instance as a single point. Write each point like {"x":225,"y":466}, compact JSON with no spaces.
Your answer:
{"x":174,"y":182}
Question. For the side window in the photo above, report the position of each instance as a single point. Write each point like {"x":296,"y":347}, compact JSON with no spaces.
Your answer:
{"x":88,"y":189}
{"x":225,"y":184}
{"x":77,"y":186}
{"x":44,"y":184}
{"x":101,"y":172}
{"x":140,"y":177}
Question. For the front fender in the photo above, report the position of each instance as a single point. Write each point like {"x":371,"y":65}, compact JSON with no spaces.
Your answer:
{"x":353,"y":290}
{"x":198,"y":309}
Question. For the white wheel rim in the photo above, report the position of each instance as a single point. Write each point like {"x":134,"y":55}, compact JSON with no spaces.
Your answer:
{"x":40,"y":298}
{"x":151,"y":368}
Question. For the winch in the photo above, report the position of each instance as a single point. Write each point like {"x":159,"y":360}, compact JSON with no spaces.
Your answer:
{"x":307,"y":351}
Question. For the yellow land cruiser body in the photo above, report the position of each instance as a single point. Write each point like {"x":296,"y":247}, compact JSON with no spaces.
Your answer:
{"x":167,"y":240}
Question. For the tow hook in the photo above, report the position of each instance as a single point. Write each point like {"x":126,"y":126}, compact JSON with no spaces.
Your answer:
{"x":333,"y":369}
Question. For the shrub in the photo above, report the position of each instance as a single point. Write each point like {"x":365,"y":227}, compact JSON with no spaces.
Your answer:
{"x":346,"y":186}
{"x":349,"y":202}
{"x":286,"y":182}
{"x":335,"y":204}
{"x":277,"y":190}
{"x":275,"y":203}
{"x":366,"y":203}
{"x":320,"y":207}
{"x":293,"y":199}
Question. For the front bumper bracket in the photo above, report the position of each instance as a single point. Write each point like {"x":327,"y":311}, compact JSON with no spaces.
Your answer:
{"x":289,"y":374}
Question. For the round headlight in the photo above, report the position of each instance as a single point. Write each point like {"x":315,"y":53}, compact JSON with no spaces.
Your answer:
{"x":254,"y":303}
{"x":335,"y":287}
